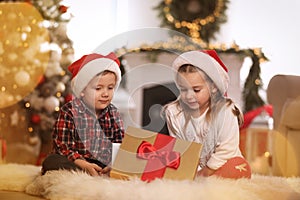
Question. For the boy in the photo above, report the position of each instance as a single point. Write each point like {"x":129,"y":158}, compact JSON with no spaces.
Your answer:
{"x":88,"y":125}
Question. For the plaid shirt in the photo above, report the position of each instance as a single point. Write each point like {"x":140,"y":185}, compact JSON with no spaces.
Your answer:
{"x":79,"y":134}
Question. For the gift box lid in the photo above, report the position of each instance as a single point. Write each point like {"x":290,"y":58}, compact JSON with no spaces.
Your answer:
{"x":128,"y":165}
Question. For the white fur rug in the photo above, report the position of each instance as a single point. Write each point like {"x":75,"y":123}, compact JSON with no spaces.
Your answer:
{"x":61,"y":185}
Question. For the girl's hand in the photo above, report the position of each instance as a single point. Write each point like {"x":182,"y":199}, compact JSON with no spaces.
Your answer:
{"x":91,"y":168}
{"x":205,"y":171}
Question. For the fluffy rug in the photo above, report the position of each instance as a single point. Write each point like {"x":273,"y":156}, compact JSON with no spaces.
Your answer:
{"x":61,"y":185}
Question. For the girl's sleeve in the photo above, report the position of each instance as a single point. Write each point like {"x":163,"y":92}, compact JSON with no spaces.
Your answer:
{"x":172,"y":124}
{"x":227,"y":139}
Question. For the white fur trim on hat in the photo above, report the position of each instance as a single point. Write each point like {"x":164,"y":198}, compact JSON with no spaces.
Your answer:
{"x":207,"y":64}
{"x":90,"y":70}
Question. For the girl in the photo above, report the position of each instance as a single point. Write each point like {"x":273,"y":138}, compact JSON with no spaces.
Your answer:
{"x":203,"y":114}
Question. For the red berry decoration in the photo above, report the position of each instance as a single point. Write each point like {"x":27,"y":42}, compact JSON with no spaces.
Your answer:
{"x":35,"y":118}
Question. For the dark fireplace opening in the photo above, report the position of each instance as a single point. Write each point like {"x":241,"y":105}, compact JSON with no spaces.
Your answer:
{"x":154,"y":98}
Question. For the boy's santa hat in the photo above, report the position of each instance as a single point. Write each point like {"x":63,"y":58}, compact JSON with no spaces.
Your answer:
{"x":88,"y":66}
{"x":209,"y":62}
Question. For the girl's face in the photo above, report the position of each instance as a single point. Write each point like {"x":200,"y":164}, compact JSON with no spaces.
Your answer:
{"x":99,"y":92}
{"x":194,"y":90}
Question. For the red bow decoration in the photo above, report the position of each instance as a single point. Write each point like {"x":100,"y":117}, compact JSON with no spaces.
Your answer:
{"x":168,"y":158}
{"x":159,"y":156}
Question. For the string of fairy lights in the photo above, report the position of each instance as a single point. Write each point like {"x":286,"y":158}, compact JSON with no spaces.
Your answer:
{"x":194,"y":26}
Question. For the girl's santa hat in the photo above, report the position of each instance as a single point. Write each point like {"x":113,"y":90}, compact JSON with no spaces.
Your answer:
{"x":88,"y":66}
{"x":209,"y":62}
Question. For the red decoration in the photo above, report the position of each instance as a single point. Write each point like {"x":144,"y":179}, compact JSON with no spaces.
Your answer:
{"x":42,"y":79}
{"x":35,"y":118}
{"x":63,"y":9}
{"x":249,"y":116}
{"x":68,"y":97}
{"x":41,"y":158}
{"x":159,"y":156}
{"x":3,"y":149}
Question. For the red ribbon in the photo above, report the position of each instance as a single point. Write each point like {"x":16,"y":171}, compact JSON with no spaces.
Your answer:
{"x":159,"y":156}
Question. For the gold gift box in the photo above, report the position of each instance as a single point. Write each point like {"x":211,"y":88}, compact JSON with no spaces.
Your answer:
{"x":127,"y":165}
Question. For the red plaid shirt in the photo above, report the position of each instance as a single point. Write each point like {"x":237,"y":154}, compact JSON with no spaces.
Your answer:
{"x":78,"y":133}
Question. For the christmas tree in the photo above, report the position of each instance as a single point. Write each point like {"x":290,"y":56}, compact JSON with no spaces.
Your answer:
{"x":35,"y":53}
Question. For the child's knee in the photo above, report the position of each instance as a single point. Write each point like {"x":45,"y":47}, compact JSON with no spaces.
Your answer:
{"x":235,"y":168}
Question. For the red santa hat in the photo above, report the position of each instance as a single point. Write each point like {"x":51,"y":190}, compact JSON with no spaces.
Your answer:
{"x":88,"y":66}
{"x":209,"y":62}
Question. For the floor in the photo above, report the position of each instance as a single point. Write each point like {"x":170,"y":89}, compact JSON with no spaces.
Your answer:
{"x":10,"y":195}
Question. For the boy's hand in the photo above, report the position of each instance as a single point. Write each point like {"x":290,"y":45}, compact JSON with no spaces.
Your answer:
{"x":91,"y":168}
{"x":105,"y":171}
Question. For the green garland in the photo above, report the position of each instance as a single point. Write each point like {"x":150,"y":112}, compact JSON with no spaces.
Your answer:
{"x":253,"y":84}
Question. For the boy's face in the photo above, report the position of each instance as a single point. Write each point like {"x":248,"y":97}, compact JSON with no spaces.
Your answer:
{"x":99,"y":92}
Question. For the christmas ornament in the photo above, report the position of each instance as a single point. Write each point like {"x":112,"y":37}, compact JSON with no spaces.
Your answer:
{"x":14,"y":118}
{"x":60,"y":87}
{"x":35,"y":118}
{"x":23,"y":47}
{"x":22,"y":78}
{"x":51,"y":104}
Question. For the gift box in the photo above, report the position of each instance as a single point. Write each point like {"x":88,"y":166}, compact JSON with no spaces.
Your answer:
{"x":148,"y":155}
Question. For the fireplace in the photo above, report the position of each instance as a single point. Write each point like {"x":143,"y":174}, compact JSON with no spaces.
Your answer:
{"x":154,"y":98}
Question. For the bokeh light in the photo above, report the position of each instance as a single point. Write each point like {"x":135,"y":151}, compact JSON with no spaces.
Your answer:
{"x":23,"y":56}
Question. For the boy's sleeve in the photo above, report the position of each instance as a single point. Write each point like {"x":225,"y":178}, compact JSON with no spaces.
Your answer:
{"x":118,"y":127}
{"x":63,"y":136}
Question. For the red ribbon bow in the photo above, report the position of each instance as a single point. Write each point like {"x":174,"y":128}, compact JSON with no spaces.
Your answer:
{"x":168,"y":158}
{"x":159,"y":156}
